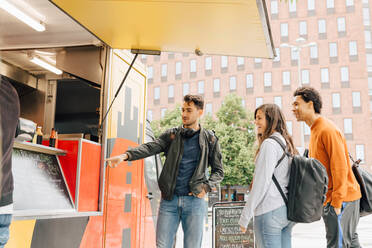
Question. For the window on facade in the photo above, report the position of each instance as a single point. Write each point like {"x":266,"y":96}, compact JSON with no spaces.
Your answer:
{"x":366,"y":17}
{"x":208,"y":109}
{"x":349,"y":3}
{"x":249,"y":80}
{"x":310,"y":5}
{"x":341,"y":24}
{"x":243,"y":103}
{"x":324,"y":75}
{"x":368,"y":39}
{"x":305,"y":76}
{"x":259,"y":101}
{"x":322,"y":26}
{"x":143,"y":56}
{"x":216,"y":85}
{"x":277,"y":58}
{"x":292,"y":6}
{"x":336,"y":100}
{"x":274,"y":7}
{"x":224,"y":61}
{"x":233,"y":83}
{"x":278,"y":101}
{"x":240,"y":60}
{"x":289,"y":127}
{"x":257,"y":60}
{"x":193,"y":65}
{"x":267,"y":79}
{"x":314,"y":52}
{"x":294,"y":53}
{"x":178,"y":68}
{"x":286,"y":78}
{"x":330,"y":4}
{"x":333,"y":49}
{"x":307,"y":130}
{"x":208,"y":63}
{"x":186,"y":89}
{"x":284,"y":29}
{"x":359,"y":153}
{"x":157,"y":93}
{"x":353,"y":48}
{"x":149,"y":115}
{"x":303,"y":28}
{"x":201,"y":87}
{"x":163,"y":112}
{"x":171,"y":91}
{"x":348,"y":126}
{"x":356,"y":99}
{"x":164,"y":70}
{"x":344,"y":74}
{"x":150,"y":72}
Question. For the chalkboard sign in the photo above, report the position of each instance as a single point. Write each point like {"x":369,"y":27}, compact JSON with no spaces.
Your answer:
{"x":39,"y":185}
{"x":226,"y":230}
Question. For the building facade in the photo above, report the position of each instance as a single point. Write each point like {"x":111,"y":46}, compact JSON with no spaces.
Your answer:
{"x":335,"y":58}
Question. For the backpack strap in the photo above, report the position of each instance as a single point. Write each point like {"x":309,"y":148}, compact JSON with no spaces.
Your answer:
{"x":280,"y":160}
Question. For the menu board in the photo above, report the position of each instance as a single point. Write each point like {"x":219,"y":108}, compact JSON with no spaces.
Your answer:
{"x":226,"y":230}
{"x":39,"y":184}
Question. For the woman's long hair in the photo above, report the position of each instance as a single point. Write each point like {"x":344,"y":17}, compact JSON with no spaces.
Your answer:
{"x":275,"y":122}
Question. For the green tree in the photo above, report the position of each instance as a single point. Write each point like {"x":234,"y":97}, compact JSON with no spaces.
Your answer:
{"x":234,"y":129}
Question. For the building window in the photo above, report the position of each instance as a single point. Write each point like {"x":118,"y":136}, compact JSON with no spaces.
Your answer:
{"x":359,"y":153}
{"x":201,"y":87}
{"x":164,"y":72}
{"x":232,"y":83}
{"x":341,"y":25}
{"x":307,"y":130}
{"x":249,"y":83}
{"x":349,"y":3}
{"x":348,"y":128}
{"x":193,"y":65}
{"x":267,"y":80}
{"x":353,"y":51}
{"x":278,"y":101}
{"x":357,"y":105}
{"x":171,"y":91}
{"x":305,"y":76}
{"x":292,"y":8}
{"x":178,"y":68}
{"x":163,"y":112}
{"x":243,"y":103}
{"x":330,"y":6}
{"x":289,"y":127}
{"x":277,"y":58}
{"x":336,"y":103}
{"x":303,"y":29}
{"x":150,"y":72}
{"x":216,"y":85}
{"x":186,"y":89}
{"x":286,"y":78}
{"x":208,"y":109}
{"x":240,"y":61}
{"x":333,"y":53}
{"x":294,"y":56}
{"x":149,"y":115}
{"x":274,"y":7}
{"x":366,"y":17}
{"x":224,"y":61}
{"x":368,"y":39}
{"x":322,"y":29}
{"x":157,"y":93}
{"x":284,"y":32}
{"x":313,"y":54}
{"x":310,"y":7}
{"x":324,"y":77}
{"x":259,"y":101}
{"x":344,"y":71}
{"x":208,"y":63}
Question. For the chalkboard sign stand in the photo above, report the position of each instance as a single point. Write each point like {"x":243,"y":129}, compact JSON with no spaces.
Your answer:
{"x":225,"y":228}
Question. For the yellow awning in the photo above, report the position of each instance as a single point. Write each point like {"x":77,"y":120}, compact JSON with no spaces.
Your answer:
{"x":224,"y":27}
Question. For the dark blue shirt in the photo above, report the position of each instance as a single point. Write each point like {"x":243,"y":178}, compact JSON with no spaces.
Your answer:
{"x":189,"y":161}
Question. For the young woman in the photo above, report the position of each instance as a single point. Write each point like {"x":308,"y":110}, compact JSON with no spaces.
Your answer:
{"x":265,"y":204}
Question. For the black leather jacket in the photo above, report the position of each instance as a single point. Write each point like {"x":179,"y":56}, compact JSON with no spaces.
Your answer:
{"x":171,"y":143}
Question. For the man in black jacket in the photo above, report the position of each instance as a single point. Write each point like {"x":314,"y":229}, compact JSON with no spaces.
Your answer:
{"x":183,"y":182}
{"x":9,"y":115}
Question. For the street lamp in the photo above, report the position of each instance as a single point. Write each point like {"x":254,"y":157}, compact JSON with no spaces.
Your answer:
{"x":300,"y":43}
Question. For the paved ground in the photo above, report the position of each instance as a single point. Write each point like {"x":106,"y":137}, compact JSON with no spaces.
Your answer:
{"x":304,"y":235}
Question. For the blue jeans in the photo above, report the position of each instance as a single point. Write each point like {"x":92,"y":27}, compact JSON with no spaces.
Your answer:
{"x":5,"y":220}
{"x":188,"y":210}
{"x":273,"y":229}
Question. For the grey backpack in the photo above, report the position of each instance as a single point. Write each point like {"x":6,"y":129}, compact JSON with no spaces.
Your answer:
{"x":307,"y":187}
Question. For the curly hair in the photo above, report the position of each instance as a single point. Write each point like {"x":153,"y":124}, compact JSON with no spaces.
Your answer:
{"x":310,"y":94}
{"x":196,"y":99}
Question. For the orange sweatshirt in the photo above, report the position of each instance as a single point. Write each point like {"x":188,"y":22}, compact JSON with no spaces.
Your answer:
{"x":328,"y":145}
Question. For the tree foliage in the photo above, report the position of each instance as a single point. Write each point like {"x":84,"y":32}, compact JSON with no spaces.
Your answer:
{"x":234,"y":129}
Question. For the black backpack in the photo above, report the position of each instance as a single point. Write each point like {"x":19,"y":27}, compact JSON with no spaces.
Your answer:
{"x":365,"y":182}
{"x":307,"y":187}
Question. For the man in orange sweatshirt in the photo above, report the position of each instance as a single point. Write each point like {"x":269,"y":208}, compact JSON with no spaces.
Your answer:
{"x":328,"y":145}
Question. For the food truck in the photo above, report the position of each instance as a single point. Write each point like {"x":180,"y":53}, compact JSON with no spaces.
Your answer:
{"x":66,"y":60}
